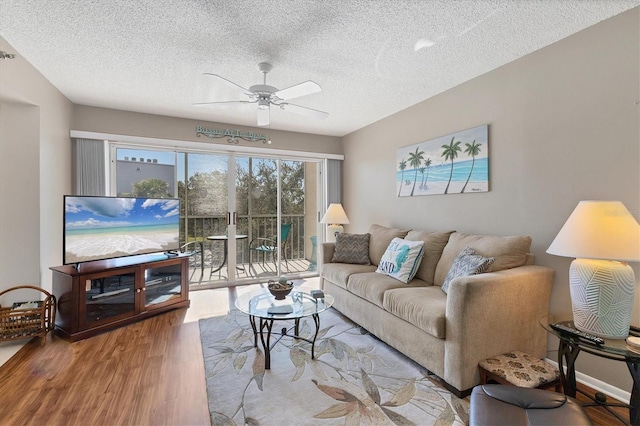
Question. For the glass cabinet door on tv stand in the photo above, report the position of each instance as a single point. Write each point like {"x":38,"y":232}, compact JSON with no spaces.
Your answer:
{"x":162,"y":285}
{"x":108,"y":297}
{"x":102,"y":295}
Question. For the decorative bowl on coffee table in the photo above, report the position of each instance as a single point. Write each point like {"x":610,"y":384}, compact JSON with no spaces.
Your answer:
{"x":279,"y":291}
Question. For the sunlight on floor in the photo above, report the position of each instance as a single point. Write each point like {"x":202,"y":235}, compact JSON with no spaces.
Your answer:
{"x":215,"y":302}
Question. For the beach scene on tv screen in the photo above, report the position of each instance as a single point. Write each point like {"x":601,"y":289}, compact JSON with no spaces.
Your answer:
{"x":109,"y":227}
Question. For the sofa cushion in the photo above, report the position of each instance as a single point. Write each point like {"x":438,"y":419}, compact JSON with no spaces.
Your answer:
{"x":509,"y":252}
{"x":423,"y":307}
{"x":401,"y":259}
{"x":466,"y":263}
{"x":381,"y":236}
{"x":371,"y":286}
{"x":434,"y":243}
{"x":339,"y":273}
{"x":352,"y":248}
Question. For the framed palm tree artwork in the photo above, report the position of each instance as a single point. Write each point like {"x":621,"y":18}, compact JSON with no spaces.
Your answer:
{"x":452,"y":164}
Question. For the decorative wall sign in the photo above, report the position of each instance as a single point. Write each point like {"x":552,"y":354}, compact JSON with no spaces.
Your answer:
{"x":451,"y":164}
{"x":232,"y":135}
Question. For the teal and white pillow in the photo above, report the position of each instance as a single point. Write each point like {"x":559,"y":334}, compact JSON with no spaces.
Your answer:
{"x":401,"y":259}
{"x":467,"y":263}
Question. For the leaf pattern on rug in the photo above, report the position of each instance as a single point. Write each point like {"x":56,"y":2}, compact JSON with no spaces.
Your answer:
{"x":359,"y":380}
{"x":258,"y":368}
{"x":355,"y":409}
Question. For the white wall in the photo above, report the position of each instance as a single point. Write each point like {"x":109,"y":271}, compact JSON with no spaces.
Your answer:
{"x":104,"y":120}
{"x":563,"y":127}
{"x":19,"y":194}
{"x":34,"y":133}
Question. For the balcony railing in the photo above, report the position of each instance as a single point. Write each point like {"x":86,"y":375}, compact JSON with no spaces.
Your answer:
{"x":198,"y":228}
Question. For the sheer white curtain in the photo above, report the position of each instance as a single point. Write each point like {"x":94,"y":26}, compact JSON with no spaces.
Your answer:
{"x":89,"y":176}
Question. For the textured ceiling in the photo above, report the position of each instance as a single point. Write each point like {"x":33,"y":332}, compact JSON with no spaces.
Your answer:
{"x":372,"y":58}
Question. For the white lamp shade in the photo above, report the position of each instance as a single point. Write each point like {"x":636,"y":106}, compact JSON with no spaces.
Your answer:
{"x":599,"y":230}
{"x":335,"y":215}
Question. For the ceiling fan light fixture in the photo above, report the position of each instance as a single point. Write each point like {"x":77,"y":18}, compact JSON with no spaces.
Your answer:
{"x":263,"y":104}
{"x":265,"y":95}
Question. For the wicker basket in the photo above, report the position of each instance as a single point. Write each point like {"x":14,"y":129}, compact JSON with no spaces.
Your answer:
{"x":30,"y":319}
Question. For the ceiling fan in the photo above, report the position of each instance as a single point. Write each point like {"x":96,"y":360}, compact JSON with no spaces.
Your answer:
{"x":264,"y":96}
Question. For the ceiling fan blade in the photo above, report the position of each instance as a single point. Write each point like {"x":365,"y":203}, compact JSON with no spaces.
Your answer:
{"x":309,"y":112}
{"x":263,"y":116}
{"x":230,"y":83}
{"x":223,"y":102}
{"x":302,"y":89}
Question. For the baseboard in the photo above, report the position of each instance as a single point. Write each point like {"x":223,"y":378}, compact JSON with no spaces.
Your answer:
{"x":599,"y":385}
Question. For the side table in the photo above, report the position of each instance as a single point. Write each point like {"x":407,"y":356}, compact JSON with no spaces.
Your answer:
{"x":615,"y":349}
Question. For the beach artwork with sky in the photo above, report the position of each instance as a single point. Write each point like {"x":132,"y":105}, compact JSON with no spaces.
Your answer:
{"x":451,"y":164}
{"x":108,"y":227}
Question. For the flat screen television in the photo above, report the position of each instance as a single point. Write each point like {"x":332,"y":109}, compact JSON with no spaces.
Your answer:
{"x":99,"y":228}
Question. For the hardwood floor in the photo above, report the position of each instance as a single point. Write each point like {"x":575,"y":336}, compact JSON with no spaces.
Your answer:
{"x":599,"y":415}
{"x":147,"y":373}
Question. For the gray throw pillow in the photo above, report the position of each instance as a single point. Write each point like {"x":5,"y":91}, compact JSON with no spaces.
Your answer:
{"x":352,"y":248}
{"x":467,"y":263}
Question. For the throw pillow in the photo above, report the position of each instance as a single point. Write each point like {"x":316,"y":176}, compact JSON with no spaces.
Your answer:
{"x":401,"y":259}
{"x":352,"y":248}
{"x":467,"y":263}
{"x":509,"y":252}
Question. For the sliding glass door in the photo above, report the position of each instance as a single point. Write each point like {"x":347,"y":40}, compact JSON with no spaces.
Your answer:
{"x":246,"y":218}
{"x":203,"y":182}
{"x":276,"y":204}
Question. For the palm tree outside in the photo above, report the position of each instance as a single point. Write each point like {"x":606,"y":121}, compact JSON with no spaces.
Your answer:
{"x":415,"y":159}
{"x":450,"y":153}
{"x":471,"y":149}
{"x":403,"y":166}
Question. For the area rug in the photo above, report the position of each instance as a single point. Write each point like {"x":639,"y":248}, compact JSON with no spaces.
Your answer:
{"x":355,"y":379}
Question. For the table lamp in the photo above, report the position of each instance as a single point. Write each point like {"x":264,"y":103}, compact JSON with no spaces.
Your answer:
{"x":602,"y":236}
{"x":335,"y":217}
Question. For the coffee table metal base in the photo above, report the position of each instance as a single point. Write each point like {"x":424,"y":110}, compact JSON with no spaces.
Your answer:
{"x":267,"y":345}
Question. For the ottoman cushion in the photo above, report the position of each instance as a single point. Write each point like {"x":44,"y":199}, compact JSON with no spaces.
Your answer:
{"x":521,"y":369}
{"x":511,"y":405}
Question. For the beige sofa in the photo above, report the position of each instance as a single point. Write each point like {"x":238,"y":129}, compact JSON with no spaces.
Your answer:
{"x":481,"y":315}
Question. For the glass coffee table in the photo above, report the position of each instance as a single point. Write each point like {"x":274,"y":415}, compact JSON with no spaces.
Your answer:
{"x":263,"y":305}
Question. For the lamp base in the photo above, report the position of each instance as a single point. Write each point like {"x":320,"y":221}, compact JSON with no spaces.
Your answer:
{"x":602,"y":297}
{"x":332,"y":231}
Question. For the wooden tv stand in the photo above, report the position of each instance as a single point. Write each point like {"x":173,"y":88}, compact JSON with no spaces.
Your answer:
{"x":99,"y":296}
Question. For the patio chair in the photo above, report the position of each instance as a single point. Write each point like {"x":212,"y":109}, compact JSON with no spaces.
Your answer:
{"x":270,"y":245}
{"x":196,"y":260}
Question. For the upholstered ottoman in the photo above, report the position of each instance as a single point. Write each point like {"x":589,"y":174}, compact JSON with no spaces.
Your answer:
{"x":497,"y":405}
{"x":519,"y":369}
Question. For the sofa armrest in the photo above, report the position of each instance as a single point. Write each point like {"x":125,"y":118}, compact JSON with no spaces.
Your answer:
{"x":326,"y":254}
{"x":493,"y":313}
